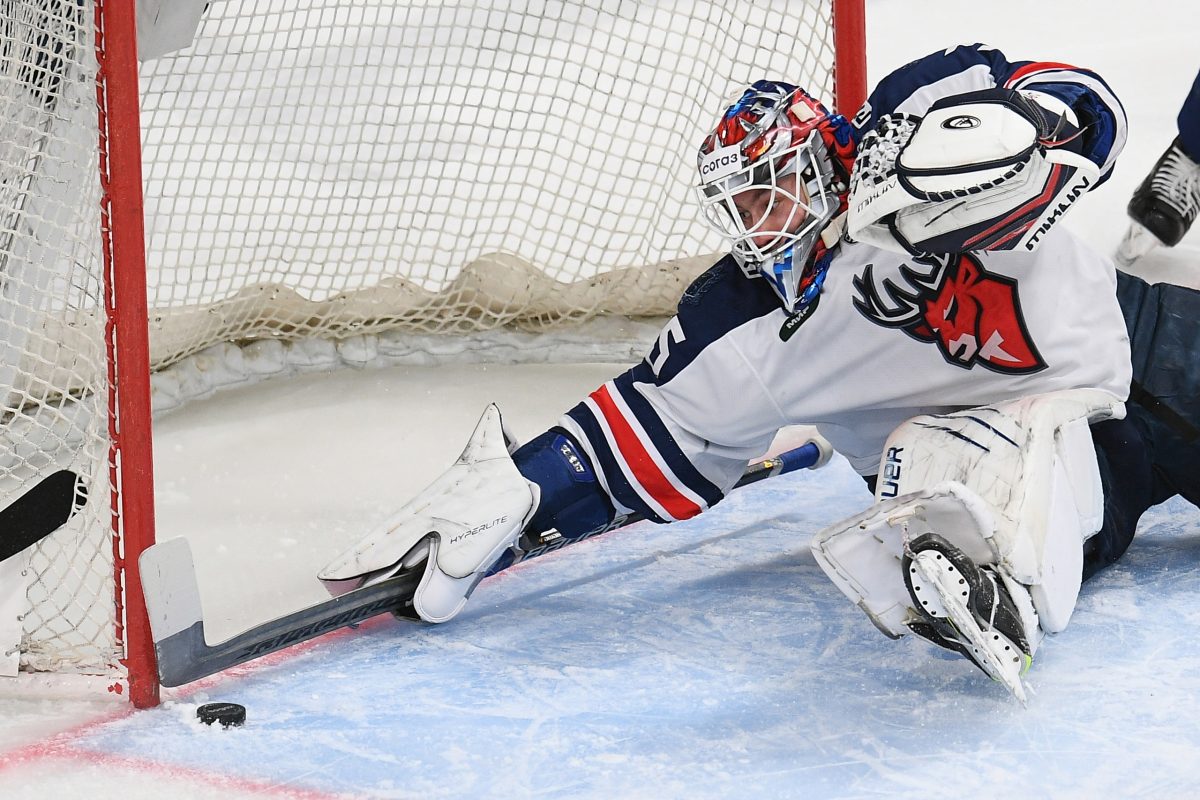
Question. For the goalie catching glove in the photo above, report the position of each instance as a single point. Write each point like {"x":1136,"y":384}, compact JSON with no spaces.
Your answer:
{"x":459,"y":527}
{"x":987,"y":170}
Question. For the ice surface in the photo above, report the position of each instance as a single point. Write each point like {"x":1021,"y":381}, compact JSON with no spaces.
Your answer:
{"x":709,"y":659}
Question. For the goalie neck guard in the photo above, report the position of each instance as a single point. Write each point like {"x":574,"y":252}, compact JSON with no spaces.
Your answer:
{"x":773,"y":175}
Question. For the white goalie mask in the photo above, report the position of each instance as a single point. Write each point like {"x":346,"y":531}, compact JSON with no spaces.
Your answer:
{"x":773,"y":175}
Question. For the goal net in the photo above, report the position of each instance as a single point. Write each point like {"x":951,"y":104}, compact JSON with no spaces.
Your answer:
{"x":348,"y":180}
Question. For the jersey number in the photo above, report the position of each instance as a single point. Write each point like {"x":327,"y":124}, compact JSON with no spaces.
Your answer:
{"x":672,"y":333}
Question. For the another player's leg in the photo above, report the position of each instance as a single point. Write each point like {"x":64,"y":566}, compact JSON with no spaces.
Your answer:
{"x":1166,"y":203}
{"x":1164,"y":326}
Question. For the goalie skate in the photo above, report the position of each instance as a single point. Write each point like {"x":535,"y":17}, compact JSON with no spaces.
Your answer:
{"x":967,"y":609}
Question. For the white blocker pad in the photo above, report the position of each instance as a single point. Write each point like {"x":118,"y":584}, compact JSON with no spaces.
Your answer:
{"x":1031,"y":465}
{"x":459,"y":526}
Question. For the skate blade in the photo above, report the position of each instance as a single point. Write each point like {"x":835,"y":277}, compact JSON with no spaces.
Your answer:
{"x":1000,"y":658}
{"x":1138,"y":242}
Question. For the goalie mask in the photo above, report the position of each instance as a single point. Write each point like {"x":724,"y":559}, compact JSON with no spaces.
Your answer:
{"x":773,"y":175}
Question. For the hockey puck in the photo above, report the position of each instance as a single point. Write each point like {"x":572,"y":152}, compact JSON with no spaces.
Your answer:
{"x":228,"y":714}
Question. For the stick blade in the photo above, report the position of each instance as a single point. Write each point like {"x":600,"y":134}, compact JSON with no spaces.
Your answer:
{"x":173,"y":605}
{"x":169,"y":585}
{"x":40,"y":511}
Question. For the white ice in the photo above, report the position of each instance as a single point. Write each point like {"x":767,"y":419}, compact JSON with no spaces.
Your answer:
{"x":708,"y":659}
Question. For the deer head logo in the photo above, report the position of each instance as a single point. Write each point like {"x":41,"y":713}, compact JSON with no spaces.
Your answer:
{"x":972,"y":315}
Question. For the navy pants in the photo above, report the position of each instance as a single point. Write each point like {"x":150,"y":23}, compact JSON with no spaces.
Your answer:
{"x":1154,"y":453}
{"x":1189,"y":121}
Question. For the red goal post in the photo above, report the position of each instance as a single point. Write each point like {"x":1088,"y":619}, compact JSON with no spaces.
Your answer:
{"x":127,"y":347}
{"x":342,"y":177}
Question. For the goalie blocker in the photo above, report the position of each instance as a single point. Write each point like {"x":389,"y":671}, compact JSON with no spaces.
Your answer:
{"x":976,"y":540}
{"x":459,"y":526}
{"x":493,"y":508}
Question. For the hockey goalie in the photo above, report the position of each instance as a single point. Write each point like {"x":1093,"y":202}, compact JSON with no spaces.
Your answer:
{"x":902,"y":282}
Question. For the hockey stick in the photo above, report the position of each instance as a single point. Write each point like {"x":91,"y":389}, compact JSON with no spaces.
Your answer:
{"x":39,"y":512}
{"x":177,"y":621}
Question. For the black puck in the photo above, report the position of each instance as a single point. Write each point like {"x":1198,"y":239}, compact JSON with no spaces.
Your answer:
{"x":228,"y":714}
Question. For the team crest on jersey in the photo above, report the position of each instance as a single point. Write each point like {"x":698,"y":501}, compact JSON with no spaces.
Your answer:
{"x":972,"y":315}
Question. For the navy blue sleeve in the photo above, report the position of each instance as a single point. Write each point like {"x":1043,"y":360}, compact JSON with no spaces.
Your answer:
{"x":646,"y":457}
{"x":572,"y":500}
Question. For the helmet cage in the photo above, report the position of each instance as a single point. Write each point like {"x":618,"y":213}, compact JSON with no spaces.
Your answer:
{"x":802,"y":175}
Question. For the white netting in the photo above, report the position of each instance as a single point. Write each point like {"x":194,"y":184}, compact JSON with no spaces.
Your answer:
{"x":335,"y":168}
{"x":57,"y":599}
{"x":339,"y":179}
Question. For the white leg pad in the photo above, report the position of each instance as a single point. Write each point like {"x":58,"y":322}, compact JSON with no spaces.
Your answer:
{"x":1013,"y":484}
{"x":862,"y":555}
{"x":1074,"y":511}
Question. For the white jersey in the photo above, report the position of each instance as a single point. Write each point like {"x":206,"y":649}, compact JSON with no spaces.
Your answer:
{"x":890,"y":337}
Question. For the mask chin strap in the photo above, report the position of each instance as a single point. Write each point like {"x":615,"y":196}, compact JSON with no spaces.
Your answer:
{"x":808,"y":288}
{"x":814,"y":251}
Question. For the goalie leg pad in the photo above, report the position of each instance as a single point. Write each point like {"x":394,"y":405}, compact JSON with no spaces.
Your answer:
{"x":1014,"y":487}
{"x":1032,"y":463}
{"x":459,"y":526}
{"x":863,"y":555}
{"x":939,"y":540}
